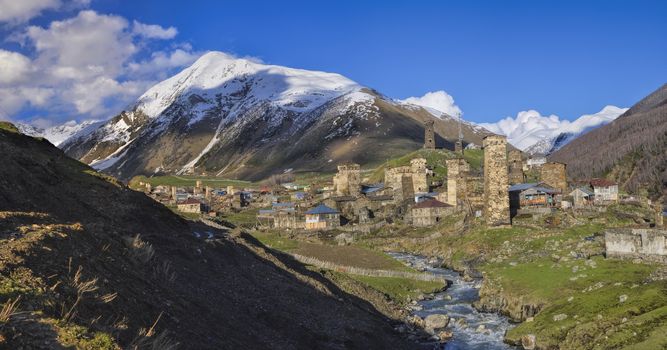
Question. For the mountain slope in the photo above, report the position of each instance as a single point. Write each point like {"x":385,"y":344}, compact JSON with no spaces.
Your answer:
{"x":632,"y":149}
{"x":534,"y":133}
{"x":94,"y":262}
{"x":59,"y":133}
{"x":243,"y":119}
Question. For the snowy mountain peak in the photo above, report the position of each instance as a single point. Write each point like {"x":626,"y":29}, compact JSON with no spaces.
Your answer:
{"x":56,"y":134}
{"x":218,"y":73}
{"x":534,"y":133}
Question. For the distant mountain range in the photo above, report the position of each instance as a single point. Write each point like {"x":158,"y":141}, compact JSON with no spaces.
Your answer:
{"x":56,"y":134}
{"x":239,"y":118}
{"x":537,"y":134}
{"x":631,"y":150}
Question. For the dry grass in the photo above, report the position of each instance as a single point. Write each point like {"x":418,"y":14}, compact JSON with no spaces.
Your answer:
{"x":141,"y":251}
{"x":82,"y":288}
{"x":9,"y":310}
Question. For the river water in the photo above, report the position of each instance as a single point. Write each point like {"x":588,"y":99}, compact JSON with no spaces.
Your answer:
{"x":465,"y":320}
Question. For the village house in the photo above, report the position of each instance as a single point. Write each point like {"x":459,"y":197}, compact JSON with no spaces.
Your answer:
{"x":535,"y":161}
{"x":531,"y":198}
{"x":322,"y":218}
{"x":582,"y":197}
{"x":190,"y":205}
{"x":281,"y":215}
{"x":430,"y":212}
{"x":604,"y":191}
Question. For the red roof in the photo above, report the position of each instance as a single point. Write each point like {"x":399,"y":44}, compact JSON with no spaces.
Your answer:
{"x":602,"y":183}
{"x":190,"y":201}
{"x":431,"y":203}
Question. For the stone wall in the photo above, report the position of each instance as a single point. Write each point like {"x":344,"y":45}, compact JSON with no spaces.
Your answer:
{"x":496,"y":182}
{"x":515,"y":167}
{"x":347,"y":182}
{"x":393,"y":177}
{"x":419,"y":178}
{"x":636,"y":243}
{"x":457,"y":170}
{"x":554,"y":175}
{"x":423,"y":217}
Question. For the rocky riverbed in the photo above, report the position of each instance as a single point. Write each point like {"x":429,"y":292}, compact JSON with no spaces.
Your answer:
{"x":465,"y":327}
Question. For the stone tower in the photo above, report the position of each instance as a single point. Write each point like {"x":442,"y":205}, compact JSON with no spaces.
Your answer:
{"x":457,"y":170}
{"x":429,"y":135}
{"x":207,"y":194}
{"x":553,"y":174}
{"x":347,"y":182}
{"x":419,"y":179}
{"x":496,"y":182}
{"x":516,"y":167}
{"x":458,"y":147}
{"x":173,"y":194}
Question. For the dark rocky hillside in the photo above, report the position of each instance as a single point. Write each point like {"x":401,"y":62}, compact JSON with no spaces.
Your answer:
{"x":632,"y":149}
{"x":95,"y":265}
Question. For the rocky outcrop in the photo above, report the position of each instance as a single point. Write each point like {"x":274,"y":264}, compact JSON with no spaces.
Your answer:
{"x":492,"y":298}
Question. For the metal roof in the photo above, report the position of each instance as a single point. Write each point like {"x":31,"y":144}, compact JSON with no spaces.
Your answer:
{"x":322,"y":209}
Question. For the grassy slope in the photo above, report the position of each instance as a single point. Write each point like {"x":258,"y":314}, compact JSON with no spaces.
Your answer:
{"x":434,"y":158}
{"x":189,"y":181}
{"x":536,"y":265}
{"x":57,"y":215}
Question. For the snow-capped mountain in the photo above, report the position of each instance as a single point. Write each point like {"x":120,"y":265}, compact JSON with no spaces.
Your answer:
{"x":56,"y":134}
{"x":534,"y":133}
{"x":237,"y":117}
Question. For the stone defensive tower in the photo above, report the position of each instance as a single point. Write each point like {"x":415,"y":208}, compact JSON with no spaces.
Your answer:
{"x":554,"y":175}
{"x":347,"y":182}
{"x":419,"y":179}
{"x":457,"y":169}
{"x":516,"y":167}
{"x":496,"y":182}
{"x":429,"y":135}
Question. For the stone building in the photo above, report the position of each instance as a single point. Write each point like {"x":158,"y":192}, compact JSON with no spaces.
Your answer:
{"x":554,"y":175}
{"x":636,"y":243}
{"x":605,"y":191}
{"x":347,"y":182}
{"x":417,"y":171}
{"x":430,"y":212}
{"x":419,"y":177}
{"x":581,"y":197}
{"x":281,"y":215}
{"x":496,"y":182}
{"x":190,"y":205}
{"x":429,"y":135}
{"x":322,"y":218}
{"x":516,"y":167}
{"x":457,"y":170}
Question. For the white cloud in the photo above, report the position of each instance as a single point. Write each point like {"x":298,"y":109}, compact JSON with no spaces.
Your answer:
{"x":85,"y":65}
{"x":530,"y":127}
{"x":14,"y":67}
{"x":153,"y":31}
{"x":17,"y":11}
{"x":162,"y":61}
{"x":438,"y":100}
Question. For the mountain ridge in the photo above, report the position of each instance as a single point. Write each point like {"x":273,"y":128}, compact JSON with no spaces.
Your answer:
{"x":243,"y":119}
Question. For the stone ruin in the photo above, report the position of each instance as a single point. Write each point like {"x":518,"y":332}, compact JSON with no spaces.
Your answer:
{"x":496,"y":182}
{"x":637,"y":243}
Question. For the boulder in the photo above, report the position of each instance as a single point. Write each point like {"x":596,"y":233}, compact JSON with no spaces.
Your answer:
{"x":528,"y":341}
{"x":445,"y":335}
{"x":436,"y":321}
{"x":560,"y":317}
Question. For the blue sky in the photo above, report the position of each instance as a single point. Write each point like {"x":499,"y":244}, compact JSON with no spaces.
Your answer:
{"x":496,"y":58}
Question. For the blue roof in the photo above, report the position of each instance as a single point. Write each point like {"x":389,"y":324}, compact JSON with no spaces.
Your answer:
{"x":366,"y":189}
{"x":322,"y":209}
{"x":524,"y":186}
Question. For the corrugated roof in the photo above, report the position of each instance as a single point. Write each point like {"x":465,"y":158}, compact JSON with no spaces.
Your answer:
{"x":602,"y":183}
{"x":190,"y":201}
{"x":523,"y":186}
{"x":322,"y":209}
